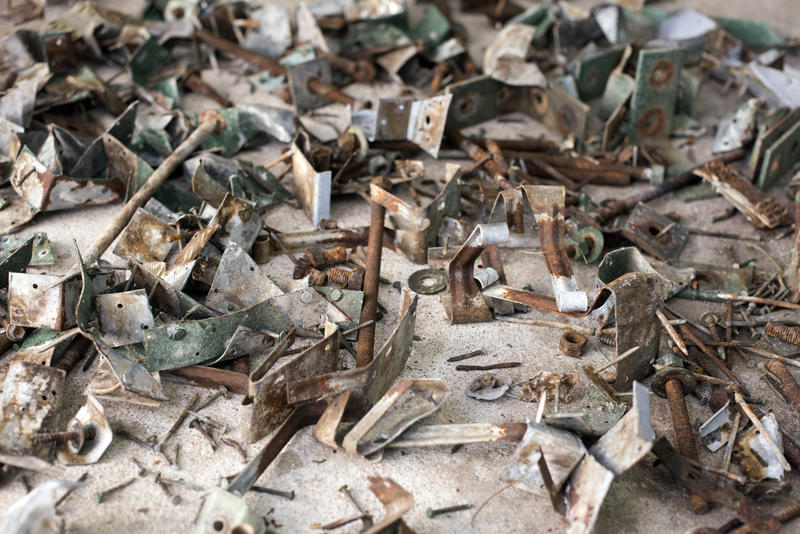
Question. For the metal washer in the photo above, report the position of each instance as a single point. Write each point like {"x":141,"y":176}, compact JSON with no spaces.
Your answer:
{"x":416,"y":279}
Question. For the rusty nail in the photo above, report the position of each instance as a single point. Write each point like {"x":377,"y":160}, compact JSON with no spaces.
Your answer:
{"x":501,"y":365}
{"x":466,"y":356}
{"x":285,"y":494}
{"x":440,"y":511}
{"x":103,"y":495}
{"x":788,"y":385}
{"x":344,"y":489}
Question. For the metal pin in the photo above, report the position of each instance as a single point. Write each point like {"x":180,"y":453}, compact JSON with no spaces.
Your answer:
{"x":673,"y":334}
{"x":433,"y":513}
{"x":466,"y":356}
{"x":236,"y":445}
{"x":344,"y":489}
{"x":103,"y":495}
{"x":617,"y":359}
{"x":142,"y":470}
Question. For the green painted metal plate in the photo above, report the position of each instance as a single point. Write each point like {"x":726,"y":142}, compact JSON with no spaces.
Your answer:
{"x":653,"y":100}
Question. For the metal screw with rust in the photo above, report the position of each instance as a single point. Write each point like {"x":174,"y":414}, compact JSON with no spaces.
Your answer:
{"x":788,"y":384}
{"x":787,"y":333}
{"x":75,"y":438}
{"x":433,"y":513}
{"x":673,"y":382}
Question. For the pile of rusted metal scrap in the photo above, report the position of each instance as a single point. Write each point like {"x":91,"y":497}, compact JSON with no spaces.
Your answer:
{"x":380,"y":99}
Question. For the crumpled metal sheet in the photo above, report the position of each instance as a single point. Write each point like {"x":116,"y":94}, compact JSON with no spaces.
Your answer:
{"x":190,"y":342}
{"x":504,"y":58}
{"x":619,"y":449}
{"x":239,"y":282}
{"x":265,"y":407}
{"x":31,"y":403}
{"x":737,"y":129}
{"x":756,"y":456}
{"x":144,"y":239}
{"x":562,"y":451}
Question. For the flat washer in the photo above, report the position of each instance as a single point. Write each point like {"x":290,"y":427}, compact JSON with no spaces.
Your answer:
{"x":417,"y":279}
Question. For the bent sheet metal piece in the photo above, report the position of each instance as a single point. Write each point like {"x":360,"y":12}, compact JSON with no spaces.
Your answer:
{"x":265,"y":407}
{"x":466,"y":304}
{"x":406,"y":402}
{"x":312,"y":188}
{"x":617,"y":451}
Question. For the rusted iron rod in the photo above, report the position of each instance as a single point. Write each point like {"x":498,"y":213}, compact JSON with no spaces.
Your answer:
{"x":209,"y":122}
{"x":618,"y":207}
{"x":369,"y":310}
{"x":211,"y":377}
{"x":229,"y":47}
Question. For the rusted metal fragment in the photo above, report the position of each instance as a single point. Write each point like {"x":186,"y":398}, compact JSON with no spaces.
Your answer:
{"x":654,"y":233}
{"x":406,"y":402}
{"x":467,"y":304}
{"x":31,"y":402}
{"x":239,"y":282}
{"x":238,"y":223}
{"x":562,"y":451}
{"x":396,"y":501}
{"x":629,"y":259}
{"x":756,"y":456}
{"x":312,"y":188}
{"x":326,"y":429}
{"x":36,"y":300}
{"x":504,"y":59}
{"x":375,"y":378}
{"x":417,"y":227}
{"x":595,"y":414}
{"x":16,"y":212}
{"x":144,"y":239}
{"x":50,"y":191}
{"x":488,"y":387}
{"x":547,"y":204}
{"x":90,"y":420}
{"x":265,"y":407}
{"x":405,"y":119}
{"x":123,"y":317}
{"x":759,"y":208}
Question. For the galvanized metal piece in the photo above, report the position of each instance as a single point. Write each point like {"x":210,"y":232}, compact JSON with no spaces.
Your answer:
{"x":559,"y":111}
{"x":653,"y":99}
{"x":737,"y":129}
{"x":427,"y":281}
{"x":479,"y":99}
{"x":31,"y":404}
{"x":123,"y":317}
{"x":767,"y":136}
{"x":265,"y":407}
{"x":654,"y":233}
{"x":312,"y":188}
{"x":223,"y":512}
{"x":36,"y":300}
{"x":594,"y":416}
{"x":239,"y":282}
{"x":16,"y":261}
{"x":459,"y":434}
{"x":405,"y":403}
{"x":190,"y":342}
{"x":42,"y":253}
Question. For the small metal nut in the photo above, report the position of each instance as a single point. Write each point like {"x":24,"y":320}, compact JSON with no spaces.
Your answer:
{"x":669,"y":360}
{"x":572,"y":344}
{"x":335,"y":295}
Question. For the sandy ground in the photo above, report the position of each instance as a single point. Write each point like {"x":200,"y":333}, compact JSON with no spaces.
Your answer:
{"x":645,"y":499}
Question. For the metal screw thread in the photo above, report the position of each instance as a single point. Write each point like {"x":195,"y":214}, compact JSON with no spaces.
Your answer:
{"x":56,"y":437}
{"x":608,"y":339}
{"x":789,"y":385}
{"x":790,"y":334}
{"x":786,"y":513}
{"x":337,"y":275}
{"x":684,"y":435}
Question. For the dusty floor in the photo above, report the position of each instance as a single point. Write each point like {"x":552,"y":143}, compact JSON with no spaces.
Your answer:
{"x":645,"y":499}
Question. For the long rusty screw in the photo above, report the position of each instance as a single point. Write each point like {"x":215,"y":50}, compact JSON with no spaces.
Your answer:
{"x":673,"y":382}
{"x":790,"y":334}
{"x":369,"y":310}
{"x":362,"y":70}
{"x":788,"y":384}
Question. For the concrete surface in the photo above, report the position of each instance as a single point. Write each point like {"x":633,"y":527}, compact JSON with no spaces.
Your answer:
{"x":645,"y":499}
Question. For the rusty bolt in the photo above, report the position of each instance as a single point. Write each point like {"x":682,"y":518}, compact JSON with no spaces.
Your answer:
{"x":572,"y":344}
{"x":320,"y":257}
{"x":75,"y":438}
{"x":790,"y":334}
{"x":788,"y":384}
{"x":673,"y":382}
{"x":345,"y":278}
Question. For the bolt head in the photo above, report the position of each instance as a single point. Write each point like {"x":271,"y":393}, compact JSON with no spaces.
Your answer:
{"x":177,"y":333}
{"x":669,"y":360}
{"x":336,"y":295}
